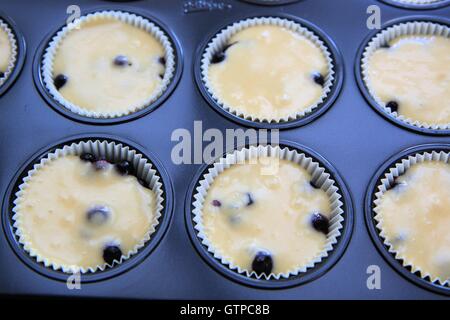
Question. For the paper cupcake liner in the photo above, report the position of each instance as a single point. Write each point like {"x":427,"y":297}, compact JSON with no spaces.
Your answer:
{"x":318,"y":175}
{"x":14,"y":52}
{"x":382,"y":38}
{"x":132,"y":19}
{"x":113,"y":152}
{"x":399,"y":169}
{"x":221,"y":39}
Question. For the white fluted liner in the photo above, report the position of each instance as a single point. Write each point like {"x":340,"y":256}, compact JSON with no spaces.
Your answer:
{"x":221,"y":39}
{"x":132,"y":19}
{"x":14,"y":48}
{"x":383,"y":38}
{"x":400,"y":168}
{"x":113,"y":152}
{"x":318,"y":174}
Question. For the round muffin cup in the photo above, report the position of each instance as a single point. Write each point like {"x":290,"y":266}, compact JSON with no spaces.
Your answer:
{"x":418,"y":4}
{"x":409,"y":26}
{"x":222,"y":38}
{"x":14,"y":52}
{"x":114,"y":151}
{"x":386,"y":182}
{"x":18,"y":52}
{"x":102,"y":150}
{"x":46,"y":67}
{"x":331,"y":88}
{"x":340,"y":221}
{"x":381,"y":182}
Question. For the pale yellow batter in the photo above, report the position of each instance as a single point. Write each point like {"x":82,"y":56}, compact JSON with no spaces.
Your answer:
{"x":5,"y":51}
{"x":278,"y":220}
{"x":86,"y":56}
{"x":268,"y":73}
{"x":415,"y":216}
{"x":414,"y":72}
{"x":54,"y":206}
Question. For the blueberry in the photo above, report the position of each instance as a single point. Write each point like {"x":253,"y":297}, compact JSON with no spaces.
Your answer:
{"x":124,"y":167}
{"x":111,"y":253}
{"x":234,"y":219}
{"x":385,"y":45}
{"x":262,"y":263}
{"x":101,"y":164}
{"x":319,"y":79}
{"x":394,"y":184}
{"x":121,"y":61}
{"x":216,"y":203}
{"x":393,"y":105}
{"x":314,"y":184}
{"x":143,"y":183}
{"x":59,"y":81}
{"x":400,"y":237}
{"x":250,"y":199}
{"x":240,"y":200}
{"x":88,"y":157}
{"x":2,"y":74}
{"x":162,"y":60}
{"x":320,"y":222}
{"x":98,"y":214}
{"x":220,"y":56}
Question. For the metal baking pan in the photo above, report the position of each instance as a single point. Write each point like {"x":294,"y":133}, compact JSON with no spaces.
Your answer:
{"x":349,"y":135}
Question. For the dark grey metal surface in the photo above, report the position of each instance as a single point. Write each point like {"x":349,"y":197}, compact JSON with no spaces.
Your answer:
{"x":351,"y":135}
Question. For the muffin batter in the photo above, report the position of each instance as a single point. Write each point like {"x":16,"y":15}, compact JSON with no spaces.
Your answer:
{"x":247,"y":212}
{"x":268,"y":72}
{"x":108,"y":66}
{"x":5,"y":52}
{"x":415,"y":217}
{"x":414,"y":74}
{"x":73,"y":210}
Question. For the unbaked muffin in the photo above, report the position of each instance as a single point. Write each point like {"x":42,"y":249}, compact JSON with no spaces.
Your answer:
{"x":263,"y":221}
{"x":410,"y":76}
{"x":82,"y":213}
{"x":108,"y":65}
{"x":414,"y":217}
{"x":269,"y":73}
{"x":5,"y":52}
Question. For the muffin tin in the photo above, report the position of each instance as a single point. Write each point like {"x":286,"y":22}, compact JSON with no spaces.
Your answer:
{"x":353,"y":138}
